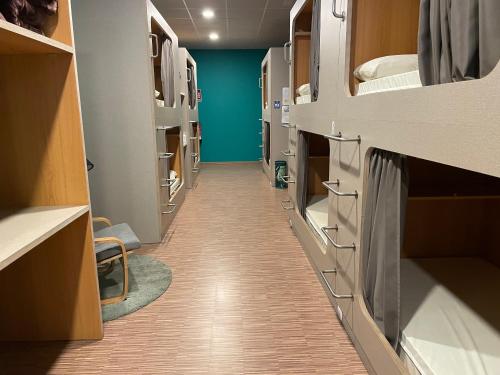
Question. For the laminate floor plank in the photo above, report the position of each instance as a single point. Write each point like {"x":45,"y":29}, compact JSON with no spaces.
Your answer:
{"x":244,"y":298}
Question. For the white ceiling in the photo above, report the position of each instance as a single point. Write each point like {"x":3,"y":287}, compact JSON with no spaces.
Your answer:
{"x":239,"y":23}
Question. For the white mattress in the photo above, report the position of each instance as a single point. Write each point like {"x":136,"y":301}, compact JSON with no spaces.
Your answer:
{"x":303,"y":99}
{"x":402,"y":81}
{"x":317,"y":215}
{"x":450,"y":316}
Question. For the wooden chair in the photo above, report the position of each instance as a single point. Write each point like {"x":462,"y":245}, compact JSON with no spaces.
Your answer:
{"x":114,"y":242}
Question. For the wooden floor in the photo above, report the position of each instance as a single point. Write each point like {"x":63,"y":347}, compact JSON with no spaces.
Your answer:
{"x":244,"y":299}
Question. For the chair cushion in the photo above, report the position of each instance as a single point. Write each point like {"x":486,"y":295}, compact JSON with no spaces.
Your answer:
{"x":121,"y":231}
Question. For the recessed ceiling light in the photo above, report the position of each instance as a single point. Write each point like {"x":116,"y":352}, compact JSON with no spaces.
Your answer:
{"x":208,"y":13}
{"x":213,"y":36}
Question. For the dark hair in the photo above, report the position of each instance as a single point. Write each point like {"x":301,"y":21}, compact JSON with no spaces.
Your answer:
{"x":30,"y":14}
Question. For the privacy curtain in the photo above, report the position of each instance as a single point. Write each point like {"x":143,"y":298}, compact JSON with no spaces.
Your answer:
{"x":458,"y":39}
{"x":167,"y":73}
{"x":302,"y":171}
{"x":314,"y":57}
{"x":192,"y":88}
{"x":383,"y":231}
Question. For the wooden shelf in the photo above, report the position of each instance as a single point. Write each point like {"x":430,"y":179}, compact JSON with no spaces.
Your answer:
{"x":22,"y":230}
{"x":18,"y":40}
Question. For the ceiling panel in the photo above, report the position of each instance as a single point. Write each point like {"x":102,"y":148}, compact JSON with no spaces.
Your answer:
{"x":239,"y":23}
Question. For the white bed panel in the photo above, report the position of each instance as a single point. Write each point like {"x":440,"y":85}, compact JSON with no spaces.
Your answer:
{"x":317,"y":216}
{"x":401,"y":81}
{"x":450,"y":315}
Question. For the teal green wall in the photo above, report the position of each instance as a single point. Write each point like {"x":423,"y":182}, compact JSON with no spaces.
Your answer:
{"x":231,"y":105}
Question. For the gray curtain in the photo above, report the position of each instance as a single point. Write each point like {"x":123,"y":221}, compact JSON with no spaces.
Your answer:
{"x":192,"y":89}
{"x":314,"y":57}
{"x":458,"y":39}
{"x":383,"y":230}
{"x":302,"y":171}
{"x":167,"y":73}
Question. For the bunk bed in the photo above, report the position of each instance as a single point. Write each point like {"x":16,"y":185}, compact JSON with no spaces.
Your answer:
{"x":431,"y":295}
{"x":191,"y":134}
{"x":125,"y":132}
{"x":163,"y":66}
{"x":306,"y":52}
{"x":274,"y":137}
{"x":447,"y":52}
{"x":313,"y":154}
{"x":454,"y":123}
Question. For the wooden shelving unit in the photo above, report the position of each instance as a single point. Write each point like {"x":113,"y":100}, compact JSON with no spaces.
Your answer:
{"x":48,"y":277}
{"x":24,"y":229}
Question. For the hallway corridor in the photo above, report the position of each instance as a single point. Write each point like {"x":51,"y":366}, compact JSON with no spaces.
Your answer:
{"x":243,"y":300}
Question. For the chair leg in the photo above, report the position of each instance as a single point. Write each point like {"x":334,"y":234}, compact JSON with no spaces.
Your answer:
{"x":123,"y":296}
{"x":124,"y":259}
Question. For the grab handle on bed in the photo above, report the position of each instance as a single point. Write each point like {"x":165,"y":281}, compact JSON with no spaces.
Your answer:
{"x":165,"y":155}
{"x":166,"y":127}
{"x":286,"y":52}
{"x":171,"y":211}
{"x":189,"y":75}
{"x":287,"y":153}
{"x":287,"y":208}
{"x":169,"y":182}
{"x":288,"y":126}
{"x":332,"y":241}
{"x":332,"y":292}
{"x":156,"y":49}
{"x":286,"y":179}
{"x":340,"y":138}
{"x":328,"y":185}
{"x":340,"y":15}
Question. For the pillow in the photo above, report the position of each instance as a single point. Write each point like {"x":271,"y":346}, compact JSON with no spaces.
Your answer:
{"x":173,"y":175}
{"x":157,"y":94}
{"x":386,"y":66}
{"x":305,"y":89}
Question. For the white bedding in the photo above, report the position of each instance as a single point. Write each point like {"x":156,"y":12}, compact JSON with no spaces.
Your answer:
{"x":303,"y":99}
{"x":401,"y":81}
{"x":448,"y":325}
{"x":160,"y":103}
{"x":303,"y":94}
{"x":317,"y":215}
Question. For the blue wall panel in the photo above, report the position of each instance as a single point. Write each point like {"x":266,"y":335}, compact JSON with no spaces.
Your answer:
{"x":231,"y":106}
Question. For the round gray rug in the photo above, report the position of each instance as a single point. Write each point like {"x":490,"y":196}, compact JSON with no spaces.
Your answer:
{"x":148,"y":279}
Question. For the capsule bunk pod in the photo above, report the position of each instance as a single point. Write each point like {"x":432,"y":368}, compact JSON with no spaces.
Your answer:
{"x":274,"y":79}
{"x":190,"y":117}
{"x":441,"y":126}
{"x":414,"y":182}
{"x":48,"y":274}
{"x":312,"y":54}
{"x":132,"y":113}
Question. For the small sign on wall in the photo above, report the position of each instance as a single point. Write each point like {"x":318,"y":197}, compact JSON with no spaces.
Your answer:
{"x":198,"y":95}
